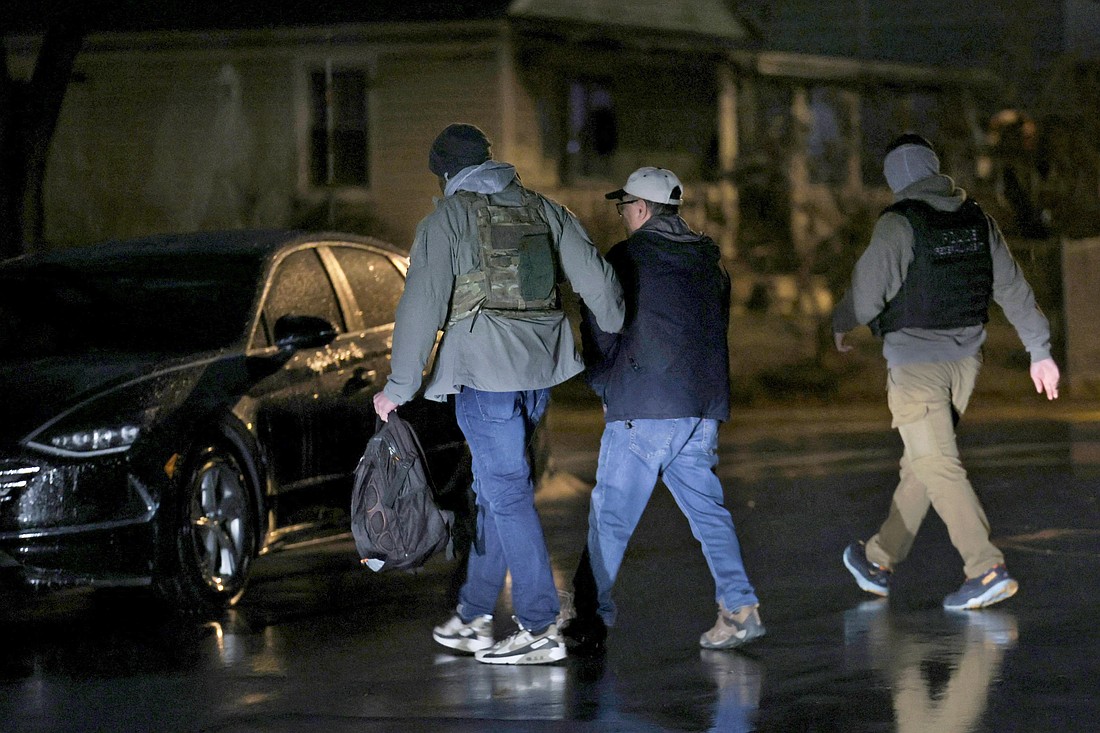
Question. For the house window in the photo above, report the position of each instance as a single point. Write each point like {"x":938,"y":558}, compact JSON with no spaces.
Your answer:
{"x":338,"y":134}
{"x":593,"y":130}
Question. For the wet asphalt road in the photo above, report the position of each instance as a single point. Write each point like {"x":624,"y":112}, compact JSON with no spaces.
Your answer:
{"x":319,"y":644}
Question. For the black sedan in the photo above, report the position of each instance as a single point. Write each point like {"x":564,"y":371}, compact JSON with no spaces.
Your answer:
{"x":175,"y":406}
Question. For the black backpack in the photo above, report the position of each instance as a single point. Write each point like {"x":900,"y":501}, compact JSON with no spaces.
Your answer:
{"x":394,"y":518}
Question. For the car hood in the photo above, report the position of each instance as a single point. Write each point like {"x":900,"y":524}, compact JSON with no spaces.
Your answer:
{"x":34,"y":391}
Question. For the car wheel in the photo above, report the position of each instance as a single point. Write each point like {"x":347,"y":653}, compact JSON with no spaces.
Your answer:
{"x":214,"y":533}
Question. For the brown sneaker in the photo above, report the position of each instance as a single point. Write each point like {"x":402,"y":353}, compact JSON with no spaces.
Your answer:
{"x":733,"y":628}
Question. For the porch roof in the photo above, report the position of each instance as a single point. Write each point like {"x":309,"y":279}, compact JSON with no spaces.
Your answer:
{"x":30,"y":16}
{"x":710,"y":18}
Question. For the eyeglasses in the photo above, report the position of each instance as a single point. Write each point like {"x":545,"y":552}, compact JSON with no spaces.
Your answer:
{"x":619,"y":206}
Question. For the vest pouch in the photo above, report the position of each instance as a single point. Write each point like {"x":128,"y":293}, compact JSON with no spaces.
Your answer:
{"x":536,"y":266}
{"x":518,"y":272}
{"x":518,"y":257}
{"x":521,"y":271}
{"x":468,"y":296}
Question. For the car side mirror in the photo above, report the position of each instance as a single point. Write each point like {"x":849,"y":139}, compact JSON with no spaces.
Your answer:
{"x":294,"y":332}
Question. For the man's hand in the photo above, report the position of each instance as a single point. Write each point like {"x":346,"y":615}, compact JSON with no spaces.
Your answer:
{"x":1045,"y":375}
{"x":383,"y":405}
{"x":838,"y":339}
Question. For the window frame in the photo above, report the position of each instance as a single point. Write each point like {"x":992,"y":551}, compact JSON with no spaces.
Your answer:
{"x":582,"y":164}
{"x":304,"y":125}
{"x":344,"y":291}
{"x":261,"y":337}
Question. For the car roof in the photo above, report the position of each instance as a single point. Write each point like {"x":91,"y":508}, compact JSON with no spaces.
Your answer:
{"x":258,"y":243}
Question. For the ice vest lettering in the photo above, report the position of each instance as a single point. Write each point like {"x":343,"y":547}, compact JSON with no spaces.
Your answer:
{"x":950,"y":280}
{"x":518,"y":271}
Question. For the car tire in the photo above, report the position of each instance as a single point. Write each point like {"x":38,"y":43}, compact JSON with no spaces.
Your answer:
{"x":212,"y":537}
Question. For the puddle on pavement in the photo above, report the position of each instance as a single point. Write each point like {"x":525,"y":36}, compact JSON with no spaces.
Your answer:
{"x":938,"y":666}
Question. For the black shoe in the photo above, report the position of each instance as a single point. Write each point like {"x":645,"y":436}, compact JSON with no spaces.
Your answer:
{"x":584,"y":635}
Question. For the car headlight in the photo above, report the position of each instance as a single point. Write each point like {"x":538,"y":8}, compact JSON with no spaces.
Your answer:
{"x":91,"y":438}
{"x":100,"y":440}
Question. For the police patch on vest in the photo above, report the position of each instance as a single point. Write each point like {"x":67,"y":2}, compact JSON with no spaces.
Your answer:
{"x":958,"y":243}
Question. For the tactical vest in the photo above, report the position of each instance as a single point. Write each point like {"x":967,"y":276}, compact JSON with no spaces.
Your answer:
{"x":518,"y":272}
{"x":950,"y":280}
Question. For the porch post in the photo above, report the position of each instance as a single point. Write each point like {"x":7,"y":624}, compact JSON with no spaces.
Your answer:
{"x":507,"y":78}
{"x":727,"y":160}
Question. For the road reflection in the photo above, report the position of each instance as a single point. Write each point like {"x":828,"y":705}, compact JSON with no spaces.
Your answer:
{"x":938,"y":665}
{"x":738,"y":680}
{"x":589,"y":690}
{"x":238,"y":646}
{"x":486,"y":690}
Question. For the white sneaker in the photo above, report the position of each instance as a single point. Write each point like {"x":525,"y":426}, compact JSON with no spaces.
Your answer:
{"x":465,"y":637}
{"x":523,"y":647}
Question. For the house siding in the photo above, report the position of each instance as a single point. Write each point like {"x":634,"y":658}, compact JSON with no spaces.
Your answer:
{"x":206,"y":134}
{"x":416,"y":94}
{"x":176,"y":144}
{"x":182,"y":142}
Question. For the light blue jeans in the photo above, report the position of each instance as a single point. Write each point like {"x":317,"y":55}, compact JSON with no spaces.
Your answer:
{"x":683,"y":452}
{"x":498,"y":428}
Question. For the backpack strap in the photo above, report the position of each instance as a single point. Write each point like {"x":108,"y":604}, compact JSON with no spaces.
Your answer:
{"x":394,"y":426}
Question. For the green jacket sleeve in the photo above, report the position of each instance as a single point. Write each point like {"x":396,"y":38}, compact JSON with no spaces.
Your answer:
{"x":588,"y":273}
{"x":423,"y":307}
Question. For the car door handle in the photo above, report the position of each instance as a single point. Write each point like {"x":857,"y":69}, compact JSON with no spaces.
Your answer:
{"x":360,"y":379}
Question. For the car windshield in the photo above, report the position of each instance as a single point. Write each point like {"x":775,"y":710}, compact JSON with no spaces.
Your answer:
{"x":170,"y":304}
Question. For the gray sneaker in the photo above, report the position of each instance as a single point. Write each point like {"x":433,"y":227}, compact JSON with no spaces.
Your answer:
{"x":733,"y":628}
{"x":992,"y":586}
{"x":568,"y":609}
{"x":465,"y":637}
{"x":523,"y":647}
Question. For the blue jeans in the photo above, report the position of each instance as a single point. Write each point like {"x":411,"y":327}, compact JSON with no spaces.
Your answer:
{"x":683,"y":452}
{"x":498,"y":428}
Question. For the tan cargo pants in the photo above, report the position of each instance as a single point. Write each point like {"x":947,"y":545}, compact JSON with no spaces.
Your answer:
{"x":923,"y":399}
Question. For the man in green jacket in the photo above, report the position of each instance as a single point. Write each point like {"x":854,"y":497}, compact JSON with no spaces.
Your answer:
{"x":924,"y":284}
{"x":484,"y":269}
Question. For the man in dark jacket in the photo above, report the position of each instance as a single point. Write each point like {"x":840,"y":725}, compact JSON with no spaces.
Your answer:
{"x":664,"y":383}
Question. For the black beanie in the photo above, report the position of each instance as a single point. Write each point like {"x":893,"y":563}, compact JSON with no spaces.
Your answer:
{"x":458,"y":146}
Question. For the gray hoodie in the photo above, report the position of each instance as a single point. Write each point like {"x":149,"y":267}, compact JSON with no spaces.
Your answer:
{"x":491,"y":352}
{"x":881,"y":269}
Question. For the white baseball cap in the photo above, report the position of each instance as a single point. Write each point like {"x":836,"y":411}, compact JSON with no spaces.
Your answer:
{"x":658,"y":185}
